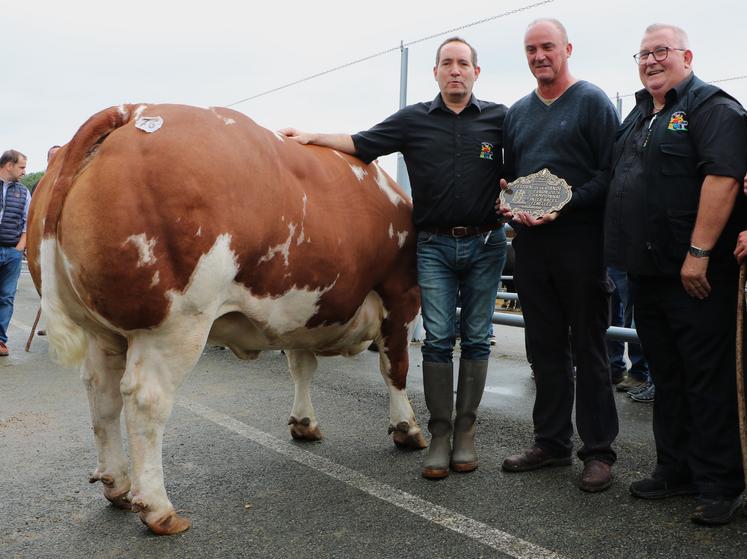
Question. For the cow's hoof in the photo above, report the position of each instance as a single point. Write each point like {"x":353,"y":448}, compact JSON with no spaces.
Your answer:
{"x":117,"y":496}
{"x":301,"y":430}
{"x":120,"y":500}
{"x":404,"y":439}
{"x":166,"y":525}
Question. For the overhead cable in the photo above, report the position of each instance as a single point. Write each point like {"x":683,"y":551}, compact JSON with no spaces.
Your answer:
{"x":393,"y":49}
{"x":733,"y":78}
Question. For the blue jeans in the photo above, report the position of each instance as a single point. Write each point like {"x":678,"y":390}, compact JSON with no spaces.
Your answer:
{"x":447,"y":266}
{"x":10,"y":269}
{"x":622,"y":315}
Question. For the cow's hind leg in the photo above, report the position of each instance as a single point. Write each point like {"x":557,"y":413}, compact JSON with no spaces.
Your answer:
{"x":101,"y":373}
{"x":393,"y":362}
{"x":156,"y":367}
{"x":303,"y":424}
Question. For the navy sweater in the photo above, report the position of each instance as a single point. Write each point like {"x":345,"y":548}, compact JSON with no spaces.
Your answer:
{"x":573,"y":137}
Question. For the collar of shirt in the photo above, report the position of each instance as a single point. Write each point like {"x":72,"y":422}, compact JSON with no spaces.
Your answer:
{"x":438,"y":103}
{"x":646,"y":102}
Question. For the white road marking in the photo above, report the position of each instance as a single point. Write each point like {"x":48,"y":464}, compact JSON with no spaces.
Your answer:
{"x":482,"y":533}
{"x":501,"y":390}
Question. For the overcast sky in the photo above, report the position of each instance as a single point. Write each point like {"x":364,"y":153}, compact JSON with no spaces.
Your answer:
{"x":64,"y":61}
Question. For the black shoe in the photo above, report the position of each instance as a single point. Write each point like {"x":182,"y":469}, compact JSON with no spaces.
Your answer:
{"x":533,"y":459}
{"x":715,"y":512}
{"x":652,"y":488}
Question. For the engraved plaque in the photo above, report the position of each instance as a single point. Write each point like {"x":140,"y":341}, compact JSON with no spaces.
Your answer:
{"x":536,"y":194}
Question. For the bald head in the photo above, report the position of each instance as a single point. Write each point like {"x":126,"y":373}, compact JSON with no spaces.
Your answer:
{"x":555,"y":23}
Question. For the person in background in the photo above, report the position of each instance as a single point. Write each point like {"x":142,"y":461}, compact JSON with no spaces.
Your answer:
{"x":50,"y":154}
{"x":13,"y":216}
{"x":636,"y":382}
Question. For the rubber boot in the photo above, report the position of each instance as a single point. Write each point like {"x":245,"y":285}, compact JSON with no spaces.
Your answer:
{"x":438,"y":385}
{"x":469,"y":393}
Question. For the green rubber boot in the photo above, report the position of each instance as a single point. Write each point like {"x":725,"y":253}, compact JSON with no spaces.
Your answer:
{"x":470,"y":387}
{"x":438,"y":385}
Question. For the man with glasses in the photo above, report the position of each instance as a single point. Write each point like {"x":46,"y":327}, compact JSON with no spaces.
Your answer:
{"x":673,"y":216}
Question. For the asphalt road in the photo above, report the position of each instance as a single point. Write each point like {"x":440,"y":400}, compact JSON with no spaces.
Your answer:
{"x":250,"y":491}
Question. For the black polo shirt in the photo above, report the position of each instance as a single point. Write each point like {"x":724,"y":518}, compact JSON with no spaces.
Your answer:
{"x":661,"y":161}
{"x":454,"y":160}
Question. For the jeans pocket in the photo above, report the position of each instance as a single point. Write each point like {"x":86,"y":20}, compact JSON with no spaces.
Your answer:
{"x":425,"y":237}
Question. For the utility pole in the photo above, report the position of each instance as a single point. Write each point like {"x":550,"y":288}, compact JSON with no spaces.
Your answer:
{"x":402,"y":178}
{"x":619,"y":105}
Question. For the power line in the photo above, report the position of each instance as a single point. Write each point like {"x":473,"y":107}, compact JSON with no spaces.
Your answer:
{"x":733,"y":78}
{"x":393,"y":49}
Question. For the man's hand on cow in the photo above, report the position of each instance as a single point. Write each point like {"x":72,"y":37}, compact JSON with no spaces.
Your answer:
{"x":500,"y":210}
{"x":741,"y":251}
{"x":693,"y":276}
{"x":297,"y":135}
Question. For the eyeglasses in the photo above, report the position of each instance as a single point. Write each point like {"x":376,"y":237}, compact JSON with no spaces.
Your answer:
{"x":660,"y":54}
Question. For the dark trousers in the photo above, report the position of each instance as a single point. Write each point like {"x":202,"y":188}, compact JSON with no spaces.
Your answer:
{"x":690,"y":345}
{"x":563,"y":286}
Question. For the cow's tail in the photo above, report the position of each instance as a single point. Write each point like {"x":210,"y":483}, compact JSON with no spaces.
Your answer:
{"x":78,"y":154}
{"x":68,"y":341}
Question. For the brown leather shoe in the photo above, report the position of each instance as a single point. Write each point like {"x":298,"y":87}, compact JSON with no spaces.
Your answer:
{"x":3,"y":350}
{"x":533,"y":459}
{"x":597,"y":476}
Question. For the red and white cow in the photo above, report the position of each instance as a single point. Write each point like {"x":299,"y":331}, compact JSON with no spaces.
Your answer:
{"x":161,"y":228}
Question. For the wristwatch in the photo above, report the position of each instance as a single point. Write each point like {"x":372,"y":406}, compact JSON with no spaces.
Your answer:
{"x":698,"y":252}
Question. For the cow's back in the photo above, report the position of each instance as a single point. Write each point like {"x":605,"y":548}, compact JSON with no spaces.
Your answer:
{"x":145,"y":209}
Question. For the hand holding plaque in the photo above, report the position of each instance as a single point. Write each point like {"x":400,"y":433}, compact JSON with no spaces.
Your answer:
{"x":536,"y":194}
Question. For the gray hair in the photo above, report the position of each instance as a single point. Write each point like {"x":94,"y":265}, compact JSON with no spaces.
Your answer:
{"x":679,"y":34}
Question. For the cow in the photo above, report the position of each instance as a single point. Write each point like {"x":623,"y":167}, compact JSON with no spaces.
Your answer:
{"x":159,"y":229}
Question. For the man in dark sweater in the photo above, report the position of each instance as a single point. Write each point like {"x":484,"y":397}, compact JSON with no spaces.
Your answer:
{"x":568,"y":127}
{"x":452,"y":149}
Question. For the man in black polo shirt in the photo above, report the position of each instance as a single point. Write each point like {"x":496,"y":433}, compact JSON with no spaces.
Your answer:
{"x":452,"y":149}
{"x":673,"y":216}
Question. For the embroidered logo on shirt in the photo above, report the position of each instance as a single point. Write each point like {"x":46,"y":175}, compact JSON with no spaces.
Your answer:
{"x":486,"y":151}
{"x":677,"y":122}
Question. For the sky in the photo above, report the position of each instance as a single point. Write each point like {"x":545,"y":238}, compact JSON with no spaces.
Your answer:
{"x":64,"y":61}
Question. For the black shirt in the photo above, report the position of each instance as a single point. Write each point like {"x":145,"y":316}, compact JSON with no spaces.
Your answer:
{"x":454,"y":160}
{"x":660,"y":162}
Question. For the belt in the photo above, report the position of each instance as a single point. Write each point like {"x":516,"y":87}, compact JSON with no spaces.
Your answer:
{"x":462,"y":230}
